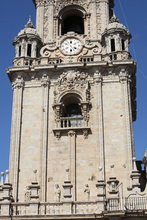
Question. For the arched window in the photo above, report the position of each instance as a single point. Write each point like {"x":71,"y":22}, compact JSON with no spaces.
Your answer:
{"x":71,"y":106}
{"x":71,"y":111}
{"x":72,"y":20}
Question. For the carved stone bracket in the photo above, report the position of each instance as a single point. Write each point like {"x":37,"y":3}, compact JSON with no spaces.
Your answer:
{"x":45,"y":81}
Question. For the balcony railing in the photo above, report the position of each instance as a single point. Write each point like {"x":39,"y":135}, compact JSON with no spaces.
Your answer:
{"x":71,"y":122}
{"x":113,"y":205}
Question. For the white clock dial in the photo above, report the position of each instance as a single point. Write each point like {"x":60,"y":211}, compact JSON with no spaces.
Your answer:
{"x":71,"y":46}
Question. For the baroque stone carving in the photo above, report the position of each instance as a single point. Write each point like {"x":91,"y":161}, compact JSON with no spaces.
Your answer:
{"x":45,"y":80}
{"x":71,"y":80}
{"x":64,"y":3}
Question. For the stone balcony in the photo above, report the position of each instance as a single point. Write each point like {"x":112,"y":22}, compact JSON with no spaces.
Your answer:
{"x":66,"y":124}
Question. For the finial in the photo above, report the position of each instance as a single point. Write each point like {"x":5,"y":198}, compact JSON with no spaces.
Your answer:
{"x":29,"y":23}
{"x":134,"y":164}
{"x":7,"y":177}
{"x":2,"y":179}
{"x":67,"y":175}
{"x":114,"y":18}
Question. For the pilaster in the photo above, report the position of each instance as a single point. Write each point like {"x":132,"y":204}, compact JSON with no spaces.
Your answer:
{"x":100,"y":138}
{"x":40,"y":18}
{"x":44,"y":132}
{"x":125,"y":85}
{"x":18,"y":86}
{"x":72,"y":156}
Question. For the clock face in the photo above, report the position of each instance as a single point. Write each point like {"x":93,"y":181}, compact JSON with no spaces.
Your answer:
{"x":71,"y":46}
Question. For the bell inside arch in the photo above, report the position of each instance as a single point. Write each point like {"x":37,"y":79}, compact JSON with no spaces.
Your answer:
{"x":74,"y":24}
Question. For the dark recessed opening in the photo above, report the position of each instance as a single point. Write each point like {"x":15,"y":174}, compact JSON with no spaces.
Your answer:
{"x":72,"y":106}
{"x":112,"y":45}
{"x":29,"y":50}
{"x":73,"y":23}
{"x":72,"y":110}
{"x":19,"y":53}
{"x":123,"y":44}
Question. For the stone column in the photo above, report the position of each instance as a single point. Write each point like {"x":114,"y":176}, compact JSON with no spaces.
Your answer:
{"x":40,"y":18}
{"x":16,"y":134}
{"x":92,"y":22}
{"x":34,"y":49}
{"x":100,"y":139}
{"x":104,"y":8}
{"x":129,"y":142}
{"x":44,"y":133}
{"x":51,"y":23}
{"x":72,"y":158}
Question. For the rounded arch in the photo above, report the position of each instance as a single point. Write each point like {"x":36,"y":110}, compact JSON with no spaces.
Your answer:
{"x":72,"y":19}
{"x":66,"y":94}
{"x":71,"y":105}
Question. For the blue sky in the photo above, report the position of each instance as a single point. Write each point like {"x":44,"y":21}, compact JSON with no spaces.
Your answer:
{"x":14,"y":15}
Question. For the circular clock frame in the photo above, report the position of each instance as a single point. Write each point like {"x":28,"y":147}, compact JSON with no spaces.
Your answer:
{"x":71,"y":46}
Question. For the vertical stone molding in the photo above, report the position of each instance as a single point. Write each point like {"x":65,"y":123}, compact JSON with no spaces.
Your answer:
{"x":72,"y":160}
{"x":18,"y":86}
{"x":44,"y":132}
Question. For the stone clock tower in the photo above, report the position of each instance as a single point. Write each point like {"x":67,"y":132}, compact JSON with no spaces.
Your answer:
{"x":72,"y":148}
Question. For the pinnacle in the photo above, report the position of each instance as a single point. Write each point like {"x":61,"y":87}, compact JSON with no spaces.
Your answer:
{"x":114,"y":18}
{"x":29,"y":23}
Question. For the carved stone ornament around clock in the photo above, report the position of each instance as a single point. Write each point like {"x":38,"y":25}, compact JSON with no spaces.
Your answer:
{"x":46,"y":50}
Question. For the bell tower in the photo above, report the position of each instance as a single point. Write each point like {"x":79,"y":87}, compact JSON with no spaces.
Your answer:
{"x":73,"y":79}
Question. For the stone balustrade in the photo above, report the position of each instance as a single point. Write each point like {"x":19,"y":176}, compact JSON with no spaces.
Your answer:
{"x":68,"y":122}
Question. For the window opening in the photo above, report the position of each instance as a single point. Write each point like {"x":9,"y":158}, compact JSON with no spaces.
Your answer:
{"x":37,"y":52}
{"x":123,"y":44}
{"x":29,"y":50}
{"x":19,"y":53}
{"x":112,"y":45}
{"x":72,"y":110}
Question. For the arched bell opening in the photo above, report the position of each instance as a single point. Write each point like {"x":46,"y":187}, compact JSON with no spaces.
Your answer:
{"x":73,"y":23}
{"x":71,"y":106}
{"x":71,"y":20}
{"x":71,"y":114}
